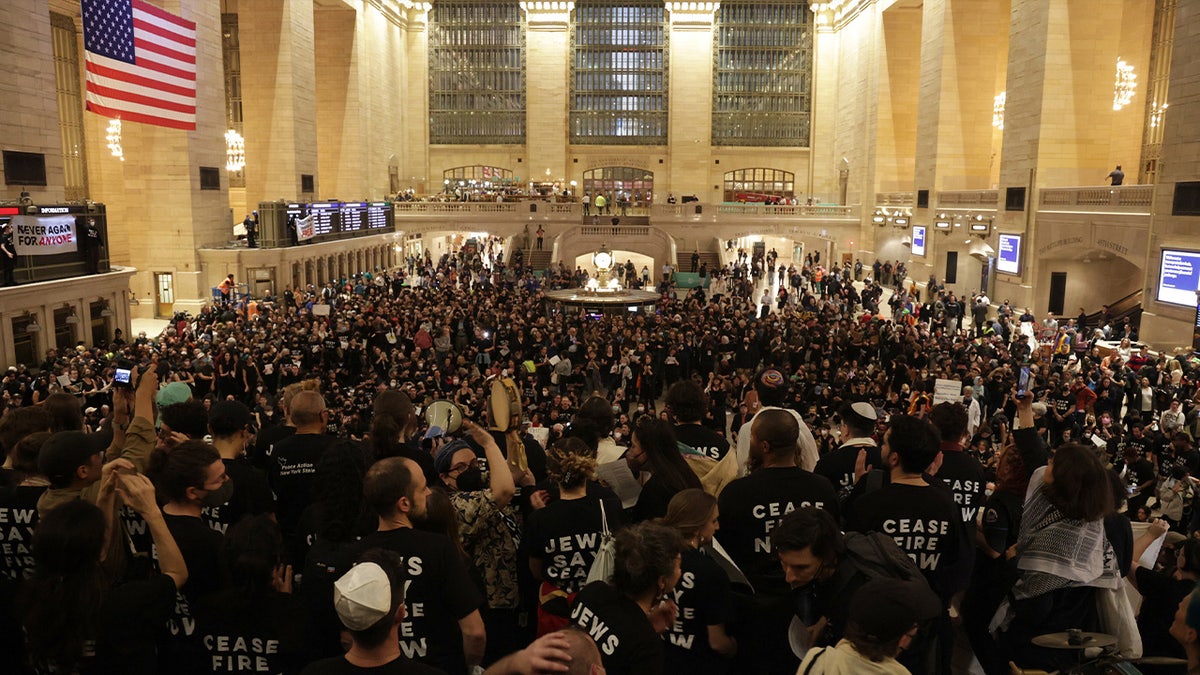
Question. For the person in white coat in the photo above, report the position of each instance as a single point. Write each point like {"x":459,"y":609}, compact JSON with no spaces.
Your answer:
{"x":974,"y":413}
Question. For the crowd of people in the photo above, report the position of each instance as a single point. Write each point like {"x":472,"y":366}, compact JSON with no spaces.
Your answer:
{"x":721,"y":485}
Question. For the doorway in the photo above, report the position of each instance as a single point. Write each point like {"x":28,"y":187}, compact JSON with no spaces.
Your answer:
{"x":1058,"y":292}
{"x":951,"y":267}
{"x":164,"y":284}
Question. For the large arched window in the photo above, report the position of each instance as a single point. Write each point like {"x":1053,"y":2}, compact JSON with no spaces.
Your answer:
{"x":619,"y":73}
{"x":479,"y":173}
{"x":476,"y":72}
{"x":755,"y":185}
{"x":608,"y":180}
{"x":762,"y":73}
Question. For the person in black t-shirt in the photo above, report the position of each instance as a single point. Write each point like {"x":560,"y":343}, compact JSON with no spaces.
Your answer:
{"x":190,"y":477}
{"x":752,"y":506}
{"x":924,"y":523}
{"x":18,"y":508}
{"x":292,"y":461}
{"x":90,"y":626}
{"x":445,"y":628}
{"x":370,"y":602}
{"x":625,"y":617}
{"x":255,"y":625}
{"x":687,"y":403}
{"x":698,"y":642}
{"x":654,"y":450}
{"x":858,"y":423}
{"x":962,"y":473}
{"x":229,"y":423}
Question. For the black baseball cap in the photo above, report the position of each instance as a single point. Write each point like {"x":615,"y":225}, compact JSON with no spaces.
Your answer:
{"x":885,"y":609}
{"x":66,"y":451}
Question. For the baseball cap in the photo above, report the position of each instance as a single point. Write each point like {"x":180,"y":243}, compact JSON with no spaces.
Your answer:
{"x":63,"y":453}
{"x":885,"y":609}
{"x":362,"y":596}
{"x":174,"y":392}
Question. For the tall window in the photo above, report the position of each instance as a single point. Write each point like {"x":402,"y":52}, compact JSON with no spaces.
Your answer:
{"x":70,"y":105}
{"x":756,"y":185}
{"x":762,"y":75}
{"x":231,"y":54}
{"x":619,"y":73}
{"x":476,"y":72}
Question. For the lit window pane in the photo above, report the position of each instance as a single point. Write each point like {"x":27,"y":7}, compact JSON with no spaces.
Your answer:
{"x":761,"y":72}
{"x":618,"y":73}
{"x":476,"y":72}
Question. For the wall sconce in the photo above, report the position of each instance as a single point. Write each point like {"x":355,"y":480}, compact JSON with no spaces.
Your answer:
{"x":71,"y":318}
{"x":113,"y":136}
{"x":235,"y":151}
{"x":1156,"y":115}
{"x":1125,"y":85}
{"x":34,"y":326}
{"x":942,"y":222}
{"x":880,"y":218}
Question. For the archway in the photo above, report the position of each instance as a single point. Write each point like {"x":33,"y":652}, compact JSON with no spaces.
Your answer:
{"x":638,"y":184}
{"x":759,"y":184}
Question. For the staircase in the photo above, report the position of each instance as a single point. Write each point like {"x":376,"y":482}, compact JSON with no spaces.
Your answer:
{"x":537,"y":260}
{"x":711,"y":258}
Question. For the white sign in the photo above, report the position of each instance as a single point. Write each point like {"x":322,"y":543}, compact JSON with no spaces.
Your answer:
{"x":947,"y":391}
{"x":918,"y":240}
{"x":304,"y":228}
{"x":44,"y":235}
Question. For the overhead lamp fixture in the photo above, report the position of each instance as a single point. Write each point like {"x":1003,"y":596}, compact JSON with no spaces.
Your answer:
{"x":71,"y":318}
{"x":1125,"y":85}
{"x":33,"y":326}
{"x":235,"y":151}
{"x":113,"y":137}
{"x":106,"y":311}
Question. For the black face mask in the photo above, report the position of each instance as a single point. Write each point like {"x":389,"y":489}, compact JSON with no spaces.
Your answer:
{"x":470,"y":480}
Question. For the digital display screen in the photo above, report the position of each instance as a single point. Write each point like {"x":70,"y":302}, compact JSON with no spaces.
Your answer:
{"x":1179,"y":277}
{"x":918,"y":240}
{"x":377,"y":215}
{"x":323,"y":217}
{"x":1008,"y":257}
{"x":352,"y":214}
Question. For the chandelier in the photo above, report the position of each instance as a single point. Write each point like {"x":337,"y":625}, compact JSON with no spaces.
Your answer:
{"x":1126,"y":84}
{"x":1156,"y":114}
{"x":998,"y":110}
{"x":235,"y":151}
{"x":113,"y":136}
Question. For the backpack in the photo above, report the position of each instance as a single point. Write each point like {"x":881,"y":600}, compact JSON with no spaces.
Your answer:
{"x":875,"y":555}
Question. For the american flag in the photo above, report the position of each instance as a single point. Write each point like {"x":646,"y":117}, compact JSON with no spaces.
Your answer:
{"x":141,"y":63}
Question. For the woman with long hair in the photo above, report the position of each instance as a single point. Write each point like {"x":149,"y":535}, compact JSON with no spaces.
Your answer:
{"x":698,"y":642}
{"x":563,"y":537}
{"x":258,"y":606}
{"x":654,"y":451}
{"x":74,"y":615}
{"x":394,"y":427}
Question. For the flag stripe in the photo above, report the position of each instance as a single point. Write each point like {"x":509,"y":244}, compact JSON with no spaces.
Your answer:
{"x":149,"y":51}
{"x":128,"y":116}
{"x":140,"y":62}
{"x":124,"y":71}
{"x":150,"y":101}
{"x":105,"y":75}
{"x":164,"y":33}
{"x":164,"y":16}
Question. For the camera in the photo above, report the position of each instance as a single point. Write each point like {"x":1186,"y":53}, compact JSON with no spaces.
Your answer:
{"x":123,"y":377}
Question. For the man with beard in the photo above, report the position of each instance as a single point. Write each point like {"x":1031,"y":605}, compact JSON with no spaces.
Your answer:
{"x":444,"y":627}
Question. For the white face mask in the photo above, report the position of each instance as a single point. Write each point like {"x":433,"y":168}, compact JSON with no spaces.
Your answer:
{"x":641,"y":408}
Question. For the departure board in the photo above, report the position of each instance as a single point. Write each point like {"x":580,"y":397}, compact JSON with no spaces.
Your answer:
{"x":352,"y":215}
{"x":377,"y":215}
{"x":324,"y":218}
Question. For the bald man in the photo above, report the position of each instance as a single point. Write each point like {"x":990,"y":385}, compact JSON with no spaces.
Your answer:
{"x":292,"y":461}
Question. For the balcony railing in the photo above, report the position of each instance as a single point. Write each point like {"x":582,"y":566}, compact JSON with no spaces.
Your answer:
{"x":1123,"y":198}
{"x":977,"y":199}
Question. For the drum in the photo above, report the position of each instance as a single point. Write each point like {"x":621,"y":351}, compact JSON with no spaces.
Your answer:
{"x":444,"y":414}
{"x":505,"y":405}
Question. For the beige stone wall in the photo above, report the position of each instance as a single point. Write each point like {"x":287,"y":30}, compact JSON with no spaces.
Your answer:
{"x":29,"y":122}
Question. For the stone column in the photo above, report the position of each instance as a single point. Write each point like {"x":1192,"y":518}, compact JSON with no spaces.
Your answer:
{"x":547,"y":43}
{"x":279,"y":99}
{"x":689,"y":131}
{"x":341,"y":161}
